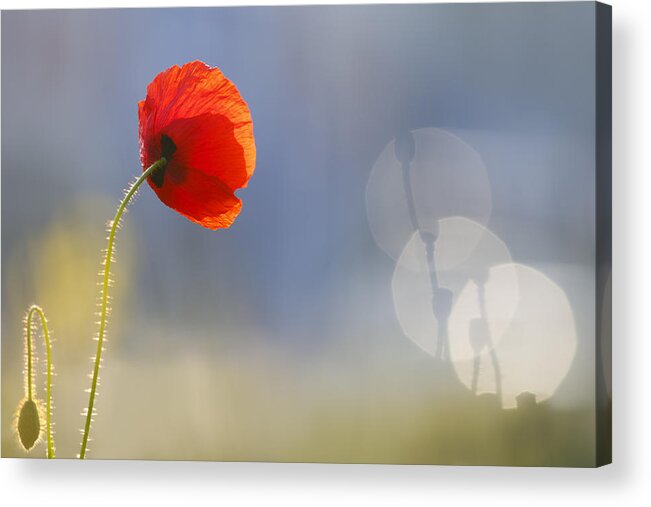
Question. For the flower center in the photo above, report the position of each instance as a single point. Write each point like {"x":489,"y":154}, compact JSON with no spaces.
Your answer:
{"x":167,"y":151}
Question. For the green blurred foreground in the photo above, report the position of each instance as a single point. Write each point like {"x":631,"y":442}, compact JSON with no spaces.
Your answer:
{"x":228,"y":392}
{"x":195,"y":406}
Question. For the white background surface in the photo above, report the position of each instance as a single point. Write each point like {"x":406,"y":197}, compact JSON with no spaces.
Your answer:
{"x":626,"y":482}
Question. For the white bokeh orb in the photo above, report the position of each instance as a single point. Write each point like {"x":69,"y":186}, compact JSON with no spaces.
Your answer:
{"x":536,"y":352}
{"x":457,"y":270}
{"x":447,"y":177}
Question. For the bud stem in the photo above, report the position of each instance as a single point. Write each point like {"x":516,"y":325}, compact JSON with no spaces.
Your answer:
{"x":48,"y":385}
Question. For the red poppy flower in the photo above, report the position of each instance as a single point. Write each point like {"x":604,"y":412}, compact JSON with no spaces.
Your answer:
{"x":195,"y":118}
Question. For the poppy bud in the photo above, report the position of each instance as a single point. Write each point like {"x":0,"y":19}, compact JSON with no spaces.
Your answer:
{"x":405,"y":147}
{"x":479,"y":275}
{"x":29,"y":424}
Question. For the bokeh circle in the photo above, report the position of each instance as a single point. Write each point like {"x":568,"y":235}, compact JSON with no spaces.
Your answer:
{"x":537,"y":350}
{"x":447,"y":176}
{"x":413,"y":291}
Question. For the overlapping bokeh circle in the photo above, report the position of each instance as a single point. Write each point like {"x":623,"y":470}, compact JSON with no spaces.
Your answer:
{"x":412,"y":288}
{"x":448,"y":178}
{"x":508,"y":329}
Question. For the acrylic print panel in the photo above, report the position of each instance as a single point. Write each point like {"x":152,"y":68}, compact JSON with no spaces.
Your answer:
{"x":363,"y":234}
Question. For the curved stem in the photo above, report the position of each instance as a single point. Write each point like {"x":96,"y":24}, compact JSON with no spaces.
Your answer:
{"x":29,"y":352}
{"x":34,"y":309}
{"x":106,"y":277}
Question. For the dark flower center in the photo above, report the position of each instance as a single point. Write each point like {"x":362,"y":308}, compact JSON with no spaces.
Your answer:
{"x":167,"y":151}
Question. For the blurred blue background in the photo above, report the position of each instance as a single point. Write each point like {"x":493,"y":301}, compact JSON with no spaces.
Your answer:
{"x":296,"y":296}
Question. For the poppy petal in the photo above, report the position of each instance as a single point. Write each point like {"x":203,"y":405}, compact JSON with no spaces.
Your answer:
{"x":207,"y":144}
{"x":195,"y":118}
{"x":201,"y":198}
{"x":193,"y":90}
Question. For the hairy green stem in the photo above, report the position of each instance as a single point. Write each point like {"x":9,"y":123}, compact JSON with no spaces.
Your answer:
{"x":48,"y":385}
{"x":29,"y":351}
{"x":104,"y":295}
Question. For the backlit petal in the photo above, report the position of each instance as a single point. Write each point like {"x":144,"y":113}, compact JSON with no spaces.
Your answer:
{"x":208,"y":133}
{"x":199,"y":197}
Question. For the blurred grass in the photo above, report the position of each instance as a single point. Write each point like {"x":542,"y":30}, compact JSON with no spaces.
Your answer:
{"x":230,"y":394}
{"x":58,"y":268}
{"x":192,"y":405}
